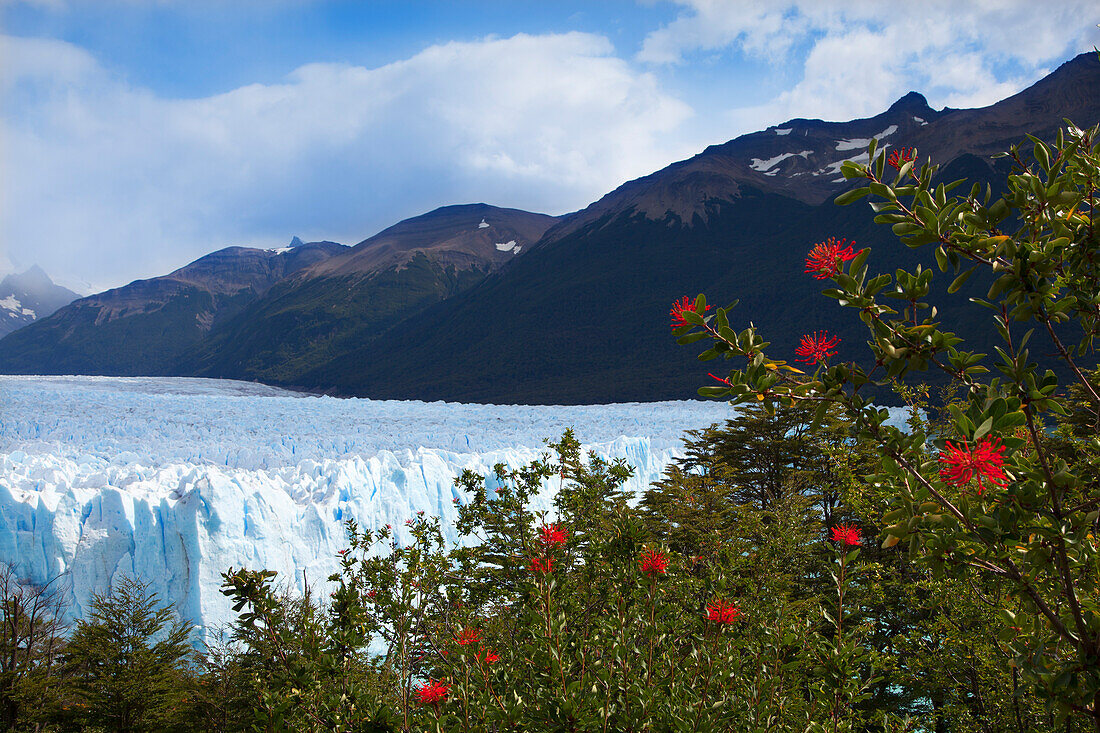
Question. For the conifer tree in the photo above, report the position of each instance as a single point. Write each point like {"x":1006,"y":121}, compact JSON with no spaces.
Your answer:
{"x":130,"y":662}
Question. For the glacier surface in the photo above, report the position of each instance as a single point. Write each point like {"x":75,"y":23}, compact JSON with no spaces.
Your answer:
{"x":175,"y":480}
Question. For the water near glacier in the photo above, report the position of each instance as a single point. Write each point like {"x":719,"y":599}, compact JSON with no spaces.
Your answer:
{"x":176,"y":480}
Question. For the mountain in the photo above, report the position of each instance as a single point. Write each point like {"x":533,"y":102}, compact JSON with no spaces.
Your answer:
{"x":582,"y":317}
{"x":143,"y":328}
{"x":329,"y":309}
{"x":476,"y":303}
{"x":29,"y":296}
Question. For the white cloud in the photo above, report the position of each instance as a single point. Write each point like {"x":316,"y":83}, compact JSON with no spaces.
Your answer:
{"x":107,"y":181}
{"x":860,"y":55}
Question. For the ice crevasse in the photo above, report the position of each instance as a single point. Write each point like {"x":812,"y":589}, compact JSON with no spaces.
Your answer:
{"x":176,"y":480}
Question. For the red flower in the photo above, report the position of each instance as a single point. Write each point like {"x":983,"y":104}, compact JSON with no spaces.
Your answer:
{"x":984,"y":460}
{"x":722,"y":612}
{"x":826,"y":257}
{"x":901,"y":156}
{"x":816,"y":347}
{"x":432,"y":693}
{"x":371,"y":593}
{"x":678,"y":308}
{"x":541,"y":566}
{"x":846,"y":534}
{"x":490,"y":656}
{"x":468,"y":636}
{"x":552,"y":535}
{"x":725,"y":381}
{"x":654,"y":562}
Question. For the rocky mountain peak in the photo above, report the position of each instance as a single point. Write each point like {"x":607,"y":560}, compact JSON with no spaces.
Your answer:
{"x":34,"y":279}
{"x":912,"y":103}
{"x":463,"y":235}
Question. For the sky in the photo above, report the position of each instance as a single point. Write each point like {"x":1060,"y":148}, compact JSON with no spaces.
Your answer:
{"x":138,"y":135}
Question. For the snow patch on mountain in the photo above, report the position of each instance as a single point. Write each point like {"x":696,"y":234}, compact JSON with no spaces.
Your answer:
{"x":766,"y":165}
{"x":15,"y":308}
{"x":834,"y":167}
{"x":782,"y":131}
{"x":863,"y":142}
{"x":509,"y":246}
{"x":483,"y":225}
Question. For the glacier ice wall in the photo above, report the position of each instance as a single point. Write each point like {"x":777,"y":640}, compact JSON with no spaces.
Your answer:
{"x":176,"y":480}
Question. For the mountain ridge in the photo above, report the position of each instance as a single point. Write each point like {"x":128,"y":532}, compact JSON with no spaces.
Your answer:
{"x":142,"y":328}
{"x":414,"y":311}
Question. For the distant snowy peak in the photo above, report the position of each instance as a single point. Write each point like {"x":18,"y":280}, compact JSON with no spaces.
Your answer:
{"x":295,"y":242}
{"x":28,"y":296}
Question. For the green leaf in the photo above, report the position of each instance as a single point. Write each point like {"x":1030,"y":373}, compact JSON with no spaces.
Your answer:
{"x":852,"y":196}
{"x":958,"y":282}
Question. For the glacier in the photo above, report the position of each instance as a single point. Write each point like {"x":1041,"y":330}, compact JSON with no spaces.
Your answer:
{"x":175,"y":480}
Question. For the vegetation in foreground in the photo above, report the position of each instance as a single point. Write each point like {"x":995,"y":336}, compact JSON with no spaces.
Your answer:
{"x":747,"y":590}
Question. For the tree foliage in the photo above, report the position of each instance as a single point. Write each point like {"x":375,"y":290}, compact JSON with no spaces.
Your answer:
{"x":128,"y":662}
{"x":992,"y":492}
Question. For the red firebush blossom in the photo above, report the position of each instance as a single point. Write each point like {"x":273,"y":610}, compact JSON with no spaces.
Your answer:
{"x":653,"y":562}
{"x":847,"y":534}
{"x":722,"y":612}
{"x":825,"y":259}
{"x":725,"y":381}
{"x":552,"y":535}
{"x":816,"y":347}
{"x":961,"y":464}
{"x":432,"y":692}
{"x":490,"y":656}
{"x":678,"y":308}
{"x":541,"y":566}
{"x":468,"y":636}
{"x":901,"y":156}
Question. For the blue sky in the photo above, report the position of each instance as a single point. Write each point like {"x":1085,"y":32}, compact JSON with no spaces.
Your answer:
{"x":136,"y":135}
